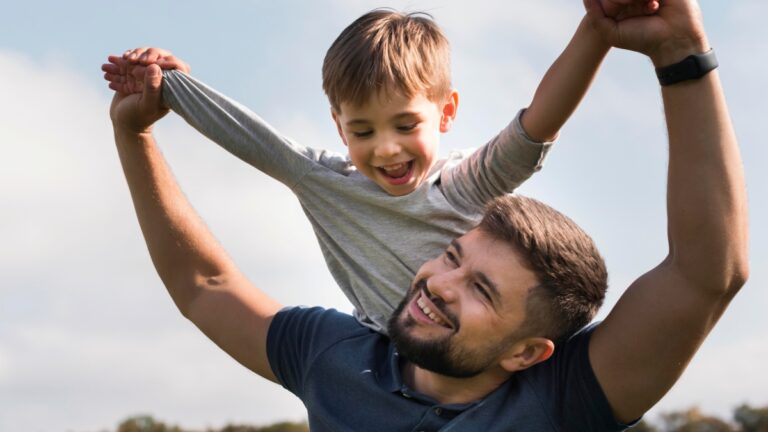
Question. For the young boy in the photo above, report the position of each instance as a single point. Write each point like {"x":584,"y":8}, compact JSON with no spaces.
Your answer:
{"x":380,"y":211}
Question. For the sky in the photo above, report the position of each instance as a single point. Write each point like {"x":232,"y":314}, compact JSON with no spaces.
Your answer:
{"x":88,"y":335}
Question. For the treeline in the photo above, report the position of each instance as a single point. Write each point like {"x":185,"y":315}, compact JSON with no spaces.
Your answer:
{"x":149,"y":424}
{"x":745,"y":419}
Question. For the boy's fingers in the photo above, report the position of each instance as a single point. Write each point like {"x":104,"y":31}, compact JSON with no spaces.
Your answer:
{"x":110,"y":68}
{"x":152,"y":96}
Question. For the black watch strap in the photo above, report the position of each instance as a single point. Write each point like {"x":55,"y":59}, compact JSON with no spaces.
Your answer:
{"x":692,"y":67}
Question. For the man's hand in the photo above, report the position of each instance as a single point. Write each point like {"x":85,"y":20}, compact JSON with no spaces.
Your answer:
{"x":675,"y":31}
{"x":620,"y":10}
{"x":125,"y":73}
{"x":136,"y":112}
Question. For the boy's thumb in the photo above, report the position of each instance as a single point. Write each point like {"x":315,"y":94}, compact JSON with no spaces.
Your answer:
{"x":153,"y":80}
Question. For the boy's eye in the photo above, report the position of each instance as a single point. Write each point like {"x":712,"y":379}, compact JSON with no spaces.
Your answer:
{"x":362,"y":134}
{"x":408,"y":127}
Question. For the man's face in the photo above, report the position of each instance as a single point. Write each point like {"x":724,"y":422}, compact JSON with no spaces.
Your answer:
{"x":466,"y":308}
{"x":393,"y":139}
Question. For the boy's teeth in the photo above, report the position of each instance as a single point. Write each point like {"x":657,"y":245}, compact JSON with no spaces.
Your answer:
{"x":397,"y":170}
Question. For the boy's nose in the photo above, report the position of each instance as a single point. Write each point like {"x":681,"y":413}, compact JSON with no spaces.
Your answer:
{"x":387,"y":149}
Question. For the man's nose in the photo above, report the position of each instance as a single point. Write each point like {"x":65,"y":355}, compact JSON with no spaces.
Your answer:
{"x":444,"y":285}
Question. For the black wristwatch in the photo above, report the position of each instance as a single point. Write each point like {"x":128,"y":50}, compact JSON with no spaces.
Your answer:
{"x":690,"y":68}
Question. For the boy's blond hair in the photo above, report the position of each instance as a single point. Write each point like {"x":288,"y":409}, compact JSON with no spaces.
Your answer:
{"x":387,"y":51}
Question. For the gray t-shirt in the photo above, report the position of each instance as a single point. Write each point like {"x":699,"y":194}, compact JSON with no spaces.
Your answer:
{"x":373,"y":242}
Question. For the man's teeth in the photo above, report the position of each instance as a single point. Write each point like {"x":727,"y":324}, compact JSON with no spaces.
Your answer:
{"x":428,"y":312}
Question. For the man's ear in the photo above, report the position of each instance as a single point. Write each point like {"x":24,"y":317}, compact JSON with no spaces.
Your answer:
{"x":449,"y":109}
{"x":527,"y":353}
{"x":336,"y":120}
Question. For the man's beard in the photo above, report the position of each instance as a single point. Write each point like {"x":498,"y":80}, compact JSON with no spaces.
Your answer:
{"x":440,"y":355}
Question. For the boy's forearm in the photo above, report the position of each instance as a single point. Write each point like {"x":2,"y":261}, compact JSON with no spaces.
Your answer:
{"x":565,"y":84}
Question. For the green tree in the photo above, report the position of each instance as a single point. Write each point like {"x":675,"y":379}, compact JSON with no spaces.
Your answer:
{"x":277,"y":427}
{"x":751,"y":419}
{"x":693,"y":420}
{"x":145,"y":423}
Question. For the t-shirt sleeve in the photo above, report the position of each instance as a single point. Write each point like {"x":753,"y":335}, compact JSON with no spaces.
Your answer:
{"x":298,"y":335}
{"x":495,"y":169}
{"x":574,"y":390}
{"x":239,"y":130}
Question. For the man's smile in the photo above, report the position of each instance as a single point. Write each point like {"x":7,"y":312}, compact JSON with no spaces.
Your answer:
{"x":424,"y":310}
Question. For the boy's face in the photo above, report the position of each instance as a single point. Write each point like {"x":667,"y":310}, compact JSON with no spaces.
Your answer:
{"x":393,"y":139}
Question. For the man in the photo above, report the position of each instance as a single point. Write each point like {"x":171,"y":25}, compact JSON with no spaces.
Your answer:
{"x":486,"y":338}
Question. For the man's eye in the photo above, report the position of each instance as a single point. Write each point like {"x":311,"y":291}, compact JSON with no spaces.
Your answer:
{"x":481,"y":289}
{"x":451,"y":257}
{"x":362,"y":134}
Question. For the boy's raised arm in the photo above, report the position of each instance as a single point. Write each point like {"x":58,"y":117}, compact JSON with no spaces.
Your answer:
{"x":203,"y":281}
{"x":566,"y":82}
{"x":649,"y":337}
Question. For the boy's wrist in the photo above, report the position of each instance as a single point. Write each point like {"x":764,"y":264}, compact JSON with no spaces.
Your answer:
{"x":592,"y":35}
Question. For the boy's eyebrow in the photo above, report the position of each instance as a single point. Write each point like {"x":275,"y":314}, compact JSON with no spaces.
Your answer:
{"x":494,"y":291}
{"x":396,"y":117}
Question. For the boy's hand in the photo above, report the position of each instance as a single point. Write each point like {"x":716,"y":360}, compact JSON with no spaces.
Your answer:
{"x":675,"y":31}
{"x":125,"y":73}
{"x":136,"y":112}
{"x":622,"y":9}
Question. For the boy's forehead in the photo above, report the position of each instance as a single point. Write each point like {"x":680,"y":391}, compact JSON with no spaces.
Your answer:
{"x":391,"y":104}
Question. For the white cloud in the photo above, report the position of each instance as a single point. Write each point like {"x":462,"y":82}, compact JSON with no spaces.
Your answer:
{"x":89,"y":335}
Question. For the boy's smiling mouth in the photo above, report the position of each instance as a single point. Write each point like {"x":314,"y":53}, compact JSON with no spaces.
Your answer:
{"x":398,"y":173}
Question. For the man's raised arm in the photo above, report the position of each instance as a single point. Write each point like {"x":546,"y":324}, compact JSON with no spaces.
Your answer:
{"x":202,"y":280}
{"x":649,"y":337}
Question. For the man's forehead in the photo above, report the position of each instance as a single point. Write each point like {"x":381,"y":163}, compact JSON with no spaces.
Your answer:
{"x":499,"y":261}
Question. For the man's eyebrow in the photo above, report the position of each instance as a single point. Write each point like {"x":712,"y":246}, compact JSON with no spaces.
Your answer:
{"x":456,"y":245}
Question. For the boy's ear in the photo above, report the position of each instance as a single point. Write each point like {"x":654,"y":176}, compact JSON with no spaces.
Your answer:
{"x":527,"y":353}
{"x":450,"y":107}
{"x":336,"y":120}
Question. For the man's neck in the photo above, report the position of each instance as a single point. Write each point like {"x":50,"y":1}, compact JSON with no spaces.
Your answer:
{"x":449,"y":390}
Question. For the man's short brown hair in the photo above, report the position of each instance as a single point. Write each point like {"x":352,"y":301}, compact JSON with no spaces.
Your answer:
{"x":385,"y":51}
{"x":572,"y":274}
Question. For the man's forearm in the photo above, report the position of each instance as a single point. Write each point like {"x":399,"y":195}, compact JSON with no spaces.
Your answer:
{"x":564,"y":85}
{"x":707,"y":203}
{"x":184,"y":252}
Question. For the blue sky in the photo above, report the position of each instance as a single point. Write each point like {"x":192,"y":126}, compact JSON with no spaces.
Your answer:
{"x":88,"y":335}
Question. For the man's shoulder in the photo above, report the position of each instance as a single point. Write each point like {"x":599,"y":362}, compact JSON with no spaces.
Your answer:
{"x":314,"y":328}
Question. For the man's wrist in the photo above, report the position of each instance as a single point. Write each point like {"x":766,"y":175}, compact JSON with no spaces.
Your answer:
{"x":675,"y":51}
{"x":693,"y":67}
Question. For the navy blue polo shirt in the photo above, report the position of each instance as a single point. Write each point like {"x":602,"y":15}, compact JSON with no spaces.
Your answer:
{"x":348,"y":377}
